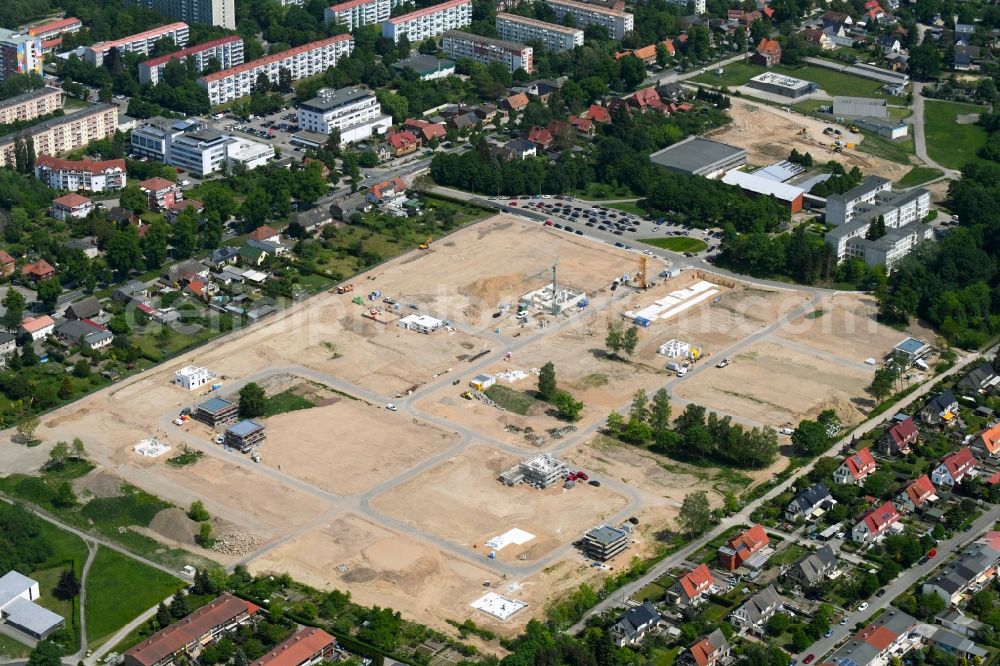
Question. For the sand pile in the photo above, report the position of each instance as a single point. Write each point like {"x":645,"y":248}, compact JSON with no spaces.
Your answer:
{"x":98,"y":483}
{"x":174,"y":524}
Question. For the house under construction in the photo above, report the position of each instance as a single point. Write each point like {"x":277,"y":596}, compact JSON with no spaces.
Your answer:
{"x":245,"y":435}
{"x":541,"y":472}
{"x":553,"y":299}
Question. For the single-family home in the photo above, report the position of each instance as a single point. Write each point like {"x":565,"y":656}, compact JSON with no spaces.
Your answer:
{"x":387,"y":192}
{"x":253,"y":256}
{"x":916,"y":495}
{"x":768,"y":53}
{"x":838,"y":21}
{"x":402,"y":143}
{"x":599,"y":114}
{"x":71,"y":207}
{"x":88,"y":308}
{"x":84,"y":333}
{"x":979,"y":379}
{"x":223,"y":256}
{"x":756,"y":611}
{"x":264,"y":234}
{"x":712,"y":650}
{"x":855,"y":468}
{"x":6,"y":264}
{"x":343,"y":209}
{"x":813,"y":568}
{"x":817,"y":38}
{"x":173,"y":211}
{"x":425,"y":131}
{"x":131,"y":290}
{"x":633,"y":625}
{"x":39,"y":270}
{"x":955,"y":467}
{"x":519,"y":149}
{"x":745,"y":549}
{"x":987,"y":443}
{"x":87,"y":245}
{"x":582,"y":125}
{"x":541,"y":137}
{"x":807,"y":502}
{"x":975,"y":566}
{"x":8,"y":343}
{"x":691,"y":588}
{"x":901,"y":437}
{"x":875,"y":524}
{"x":315,"y":218}
{"x":38,"y":327}
{"x":942,"y":408}
{"x":515,"y":102}
{"x":889,"y":44}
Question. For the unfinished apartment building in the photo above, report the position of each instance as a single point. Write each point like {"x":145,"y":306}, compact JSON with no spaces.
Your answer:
{"x":541,"y":472}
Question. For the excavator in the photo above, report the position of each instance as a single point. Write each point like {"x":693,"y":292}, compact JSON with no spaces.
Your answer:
{"x":426,"y":244}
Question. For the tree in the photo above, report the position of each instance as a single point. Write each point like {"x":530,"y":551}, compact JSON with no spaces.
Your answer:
{"x":163,"y":617}
{"x":79,"y":452}
{"x":124,"y":252}
{"x":68,"y":586}
{"x":630,"y":340}
{"x":132,"y":198}
{"x":876,"y":229}
{"x":810,"y":438}
{"x":197,"y":511}
{"x":14,"y":303}
{"x":659,"y":415}
{"x":64,"y":496}
{"x":883,"y":382}
{"x":206,"y":537}
{"x":26,"y":428}
{"x":547,"y":381}
{"x":185,"y":233}
{"x":46,"y":653}
{"x":179,"y":606}
{"x":252,"y":401}
{"x":695,"y":515}
{"x":567,"y":407}
{"x":614,"y":423}
{"x":58,"y":455}
{"x":925,"y":61}
{"x":615,"y":339}
{"x":48,"y":292}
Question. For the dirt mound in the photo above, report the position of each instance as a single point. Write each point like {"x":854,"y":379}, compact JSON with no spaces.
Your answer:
{"x":175,"y":525}
{"x":98,"y":484}
{"x":492,"y":289}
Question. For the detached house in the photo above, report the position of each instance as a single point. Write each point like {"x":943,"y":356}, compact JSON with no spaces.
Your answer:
{"x":691,"y":588}
{"x":743,"y":550}
{"x":988,"y":442}
{"x":6,"y":264}
{"x":979,"y":379}
{"x":901,"y":437}
{"x":40,"y":270}
{"x":634,"y":624}
{"x":768,"y":53}
{"x":942,"y":408}
{"x":402,"y":143}
{"x":599,"y":114}
{"x":916,"y":495}
{"x":813,"y":568}
{"x":712,"y":650}
{"x":387,"y":191}
{"x":38,"y":327}
{"x":71,"y":206}
{"x":758,"y":609}
{"x":541,"y":137}
{"x":817,"y":38}
{"x":814,"y":498}
{"x":855,"y":468}
{"x":955,"y":467}
{"x":875,"y":524}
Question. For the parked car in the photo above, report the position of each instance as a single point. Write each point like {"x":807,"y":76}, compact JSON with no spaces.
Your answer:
{"x":391,"y":407}
{"x":863,"y":606}
{"x":809,"y":658}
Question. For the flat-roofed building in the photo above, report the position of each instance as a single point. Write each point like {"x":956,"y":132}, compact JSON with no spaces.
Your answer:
{"x":485,"y":50}
{"x":856,"y":107}
{"x":245,"y":435}
{"x":890,"y":129}
{"x":226,"y":51}
{"x":86,"y":174}
{"x":553,"y":37}
{"x":301,"y":61}
{"x":779,"y":84}
{"x":20,"y":53}
{"x":216,"y":412}
{"x":191,"y":144}
{"x":141,"y":43}
{"x":753,"y":184}
{"x":429,"y":21}
{"x":426,"y":67}
{"x":604,"y":542}
{"x":30,"y":105}
{"x":64,"y":133}
{"x":617,"y":22}
{"x":213,"y":12}
{"x":355,"y":111}
{"x":696,"y":156}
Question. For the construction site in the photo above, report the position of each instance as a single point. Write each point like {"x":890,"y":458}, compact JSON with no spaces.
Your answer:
{"x":396,"y":487}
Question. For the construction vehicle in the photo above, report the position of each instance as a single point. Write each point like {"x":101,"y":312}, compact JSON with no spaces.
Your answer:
{"x":344,"y":288}
{"x":357,"y":300}
{"x":426,"y":244}
{"x":467,"y":395}
{"x":255,"y":456}
{"x":375,"y":295}
{"x":854,"y":128}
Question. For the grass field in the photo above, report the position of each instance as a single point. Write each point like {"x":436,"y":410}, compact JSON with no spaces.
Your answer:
{"x":510,"y":399}
{"x":949,"y":143}
{"x":108,"y":609}
{"x":628,"y":208}
{"x":286,"y":401}
{"x":898,"y":150}
{"x":600,"y":191}
{"x":12,"y":649}
{"x":677,"y":243}
{"x":832,"y":82}
{"x":919,"y":175}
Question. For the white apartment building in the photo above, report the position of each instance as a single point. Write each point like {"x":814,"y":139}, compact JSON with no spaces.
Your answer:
{"x":354,"y":111}
{"x":65,"y":133}
{"x":30,"y":105}
{"x":141,"y":43}
{"x":458,"y":44}
{"x":553,"y":37}
{"x":840,"y":208}
{"x":214,"y":12}
{"x":301,"y":61}
{"x":192,"y":376}
{"x":429,"y":21}
{"x":228,"y":51}
{"x":355,"y":13}
{"x":191,"y":145}
{"x":617,"y":22}
{"x":86,"y":174}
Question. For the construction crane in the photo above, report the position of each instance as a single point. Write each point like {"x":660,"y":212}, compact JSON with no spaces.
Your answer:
{"x":643,"y":260}
{"x":426,"y":244}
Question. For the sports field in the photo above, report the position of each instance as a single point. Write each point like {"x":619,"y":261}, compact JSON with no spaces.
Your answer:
{"x":953,"y":137}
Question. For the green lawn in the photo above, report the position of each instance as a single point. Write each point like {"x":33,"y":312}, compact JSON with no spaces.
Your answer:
{"x":898,"y":150}
{"x":677,"y":243}
{"x":119,"y":588}
{"x":286,"y":401}
{"x":651,"y":592}
{"x":661,"y":657}
{"x":510,"y":399}
{"x":600,"y":191}
{"x":12,"y":649}
{"x":832,"y":82}
{"x":949,"y":143}
{"x":919,"y":175}
{"x":900,"y":112}
{"x":788,"y":555}
{"x":628,"y":208}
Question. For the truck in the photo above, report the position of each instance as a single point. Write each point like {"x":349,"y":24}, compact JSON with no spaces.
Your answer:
{"x":344,"y":288}
{"x":375,"y":295}
{"x":676,"y":367}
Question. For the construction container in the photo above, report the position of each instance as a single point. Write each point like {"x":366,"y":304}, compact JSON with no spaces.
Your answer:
{"x":641,"y":321}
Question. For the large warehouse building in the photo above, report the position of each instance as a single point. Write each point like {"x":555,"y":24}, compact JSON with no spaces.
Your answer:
{"x":755,"y":185}
{"x":696,"y":156}
{"x":857,"y":107}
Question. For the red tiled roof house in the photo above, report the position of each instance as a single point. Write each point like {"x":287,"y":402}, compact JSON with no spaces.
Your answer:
{"x":855,"y":468}
{"x":740,"y":549}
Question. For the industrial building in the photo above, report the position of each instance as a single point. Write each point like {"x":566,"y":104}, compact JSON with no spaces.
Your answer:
{"x":696,"y":156}
{"x":86,"y":174}
{"x":20,"y":53}
{"x":541,"y":472}
{"x":301,"y":61}
{"x":354,"y":111}
{"x":553,"y":37}
{"x":486,"y":50}
{"x":244,"y":435}
{"x":429,"y":21}
{"x":604,"y":542}
{"x":64,"y":133}
{"x":890,"y":129}
{"x":355,"y":13}
{"x":30,"y":105}
{"x":19,"y":611}
{"x":226,"y":51}
{"x":212,"y":12}
{"x":141,"y":43}
{"x":190,"y":144}
{"x":216,"y":412}
{"x":779,"y":84}
{"x":856,"y":107}
{"x":191,"y":377}
{"x":755,"y":185}
{"x":617,"y":22}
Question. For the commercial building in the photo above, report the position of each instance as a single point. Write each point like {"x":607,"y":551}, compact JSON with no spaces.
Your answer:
{"x":244,"y":435}
{"x":141,"y":43}
{"x":856,"y":107}
{"x":617,"y":22}
{"x":213,"y":12}
{"x":890,"y":129}
{"x":191,"y":145}
{"x":191,"y":377}
{"x":779,"y":84}
{"x":553,"y":37}
{"x":486,"y":50}
{"x":19,"y":610}
{"x":226,"y":51}
{"x":301,"y":61}
{"x":20,"y":53}
{"x":305,"y":647}
{"x":426,"y":67}
{"x":604,"y":542}
{"x":429,"y":21}
{"x":354,"y":111}
{"x":64,"y":133}
{"x":191,"y":633}
{"x":30,"y":105}
{"x":789,"y":195}
{"x":71,"y":206}
{"x":355,"y":13}
{"x":216,"y":412}
{"x":695,"y":156}
{"x":974,"y":568}
{"x":86,"y":174}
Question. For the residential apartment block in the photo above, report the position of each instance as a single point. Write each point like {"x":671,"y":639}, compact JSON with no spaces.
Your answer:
{"x":429,"y":21}
{"x":356,"y":13}
{"x":213,"y":12}
{"x":227,"y":51}
{"x":64,"y":133}
{"x":354,"y":111}
{"x":301,"y":61}
{"x":20,"y":53}
{"x":141,"y":43}
{"x":617,"y":22}
{"x":190,"y":144}
{"x":30,"y":105}
{"x":305,"y":647}
{"x":86,"y":174}
{"x":51,"y":33}
{"x":554,"y":37}
{"x":458,"y":44}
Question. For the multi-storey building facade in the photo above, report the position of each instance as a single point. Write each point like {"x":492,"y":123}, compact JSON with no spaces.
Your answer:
{"x":429,"y":21}
{"x":617,"y":22}
{"x":214,"y":12}
{"x":141,"y":43}
{"x":355,"y":13}
{"x":354,"y":111}
{"x":458,"y":44}
{"x":20,"y":53}
{"x":227,"y":51}
{"x":30,"y":105}
{"x":191,"y":145}
{"x":69,"y":132}
{"x":522,"y":29}
{"x":88,"y":175}
{"x":51,"y":33}
{"x":301,"y":61}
